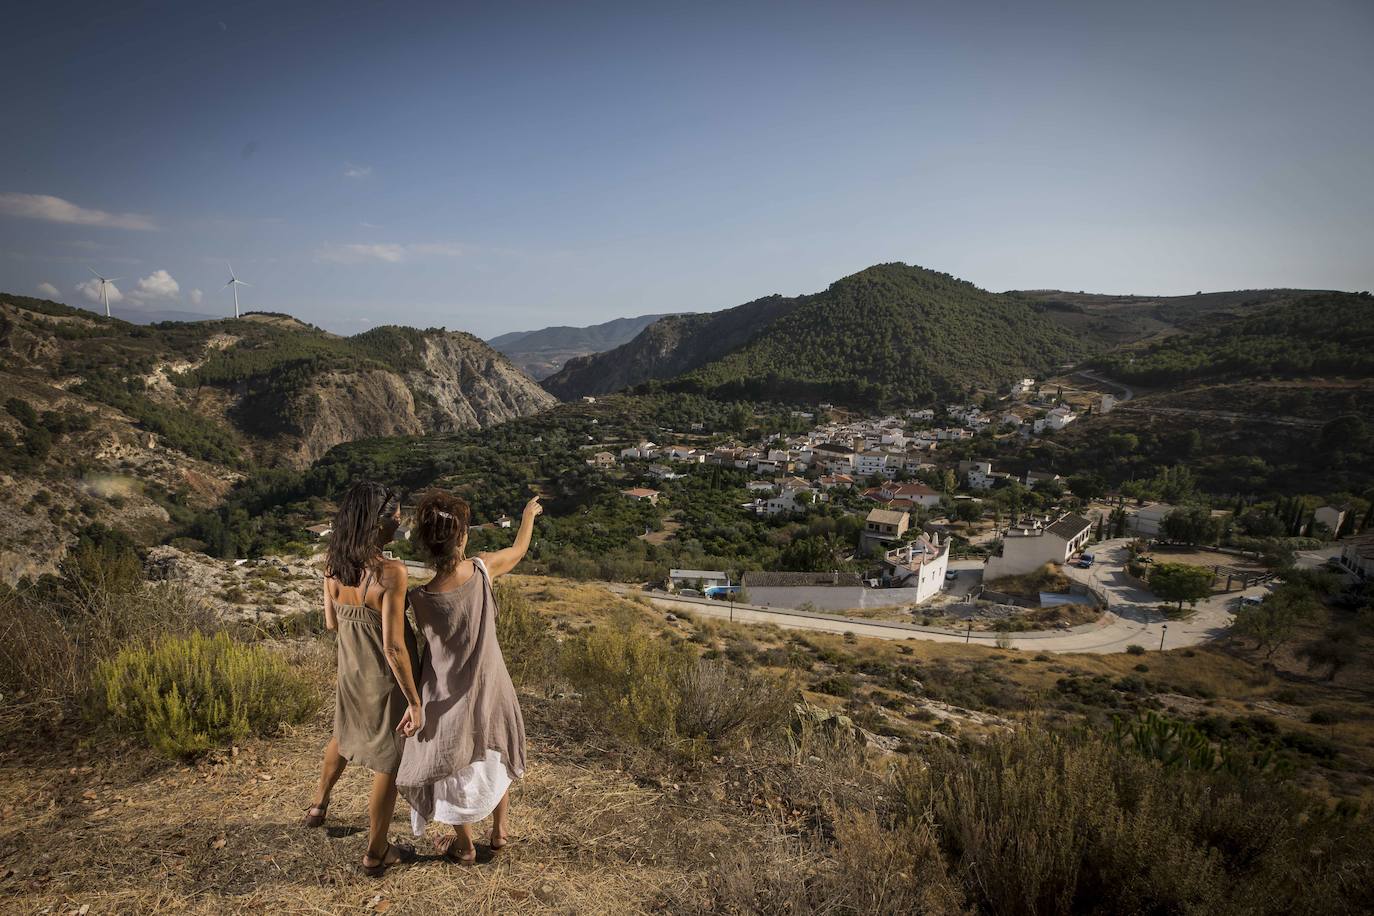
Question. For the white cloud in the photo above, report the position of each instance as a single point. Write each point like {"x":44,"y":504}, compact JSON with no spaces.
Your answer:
{"x":357,"y":171}
{"x":195,"y":296}
{"x":91,"y":290}
{"x":387,"y":253}
{"x":47,"y":289}
{"x":56,"y":210}
{"x":158,"y":285}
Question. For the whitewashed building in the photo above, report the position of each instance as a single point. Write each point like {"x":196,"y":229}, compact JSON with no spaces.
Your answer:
{"x":1027,"y":548}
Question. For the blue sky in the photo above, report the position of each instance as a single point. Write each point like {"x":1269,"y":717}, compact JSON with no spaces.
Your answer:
{"x":497,"y":167}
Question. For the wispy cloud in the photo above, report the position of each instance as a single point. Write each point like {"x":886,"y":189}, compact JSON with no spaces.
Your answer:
{"x":47,"y":289}
{"x":357,"y":171}
{"x":386,"y":252}
{"x":195,"y":296}
{"x":354,"y":254}
{"x":56,"y":210}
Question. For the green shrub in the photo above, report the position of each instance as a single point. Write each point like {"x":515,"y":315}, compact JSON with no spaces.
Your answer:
{"x":838,"y":685}
{"x":1134,"y":649}
{"x":1039,"y":823}
{"x":526,"y":640}
{"x":52,"y":636}
{"x":718,"y":701}
{"x":189,"y":694}
{"x":628,"y":678}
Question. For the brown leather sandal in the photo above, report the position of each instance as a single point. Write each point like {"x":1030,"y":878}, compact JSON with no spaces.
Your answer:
{"x":446,"y":846}
{"x":315,"y":820}
{"x":404,"y":854}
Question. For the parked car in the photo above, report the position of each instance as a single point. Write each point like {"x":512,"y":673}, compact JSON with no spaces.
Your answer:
{"x":951,"y":575}
{"x":1252,"y":600}
{"x":689,"y":593}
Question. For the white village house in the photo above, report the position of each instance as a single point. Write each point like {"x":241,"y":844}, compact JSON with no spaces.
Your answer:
{"x":696,"y":578}
{"x":920,"y":565}
{"x":1026,"y":548}
{"x":1357,"y":555}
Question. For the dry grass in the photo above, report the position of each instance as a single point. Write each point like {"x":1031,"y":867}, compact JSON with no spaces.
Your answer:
{"x":766,"y":827}
{"x":121,"y":833}
{"x":1048,"y":578}
{"x":571,"y":604}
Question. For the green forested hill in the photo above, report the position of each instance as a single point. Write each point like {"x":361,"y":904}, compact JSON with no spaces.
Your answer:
{"x":890,"y":334}
{"x":1325,"y":334}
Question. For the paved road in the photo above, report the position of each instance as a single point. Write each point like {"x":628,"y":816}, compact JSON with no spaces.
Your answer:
{"x":1132,"y":617}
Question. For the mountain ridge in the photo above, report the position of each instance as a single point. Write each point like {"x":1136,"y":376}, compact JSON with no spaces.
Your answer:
{"x":542,"y":352}
{"x":859,"y":340}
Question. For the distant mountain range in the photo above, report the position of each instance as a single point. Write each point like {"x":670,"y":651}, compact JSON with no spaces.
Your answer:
{"x":543,"y":352}
{"x":135,"y":314}
{"x":890,"y":333}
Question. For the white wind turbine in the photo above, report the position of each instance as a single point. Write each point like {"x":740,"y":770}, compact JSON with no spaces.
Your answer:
{"x":104,"y":289}
{"x":235,"y":282}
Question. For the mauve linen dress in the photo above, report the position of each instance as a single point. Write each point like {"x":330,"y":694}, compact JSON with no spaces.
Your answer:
{"x":457,"y":768}
{"x":369,"y":703}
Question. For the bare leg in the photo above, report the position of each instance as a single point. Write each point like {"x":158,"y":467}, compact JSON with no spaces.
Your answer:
{"x":499,"y":836}
{"x":330,"y":770}
{"x":381,"y":804}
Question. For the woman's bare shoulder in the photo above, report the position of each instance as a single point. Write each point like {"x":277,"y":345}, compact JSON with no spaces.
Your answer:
{"x":393,"y":574}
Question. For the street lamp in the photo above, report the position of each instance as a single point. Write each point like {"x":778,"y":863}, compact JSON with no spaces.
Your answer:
{"x":730,"y":592}
{"x":969,"y":634}
{"x":1164,"y":628}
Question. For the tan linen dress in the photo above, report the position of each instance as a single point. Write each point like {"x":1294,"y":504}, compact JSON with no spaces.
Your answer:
{"x":469,"y":701}
{"x":369,"y":703}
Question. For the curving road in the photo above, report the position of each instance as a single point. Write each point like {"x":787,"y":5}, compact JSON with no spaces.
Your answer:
{"x":1132,"y":617}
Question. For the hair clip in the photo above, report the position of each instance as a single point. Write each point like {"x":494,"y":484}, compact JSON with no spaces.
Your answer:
{"x":442,"y":514}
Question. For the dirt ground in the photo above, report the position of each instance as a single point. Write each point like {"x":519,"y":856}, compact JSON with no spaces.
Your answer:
{"x":1200,"y":556}
{"x":81,"y":833}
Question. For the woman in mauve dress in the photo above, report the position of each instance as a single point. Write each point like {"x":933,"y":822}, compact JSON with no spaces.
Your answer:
{"x":458,"y":768}
{"x":377,"y":705}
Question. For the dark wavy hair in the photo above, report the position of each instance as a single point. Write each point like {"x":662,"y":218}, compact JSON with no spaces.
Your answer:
{"x":353,"y":544}
{"x":441,"y":523}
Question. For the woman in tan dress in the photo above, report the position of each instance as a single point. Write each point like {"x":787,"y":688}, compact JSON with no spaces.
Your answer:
{"x":377,"y":702}
{"x":458,"y":768}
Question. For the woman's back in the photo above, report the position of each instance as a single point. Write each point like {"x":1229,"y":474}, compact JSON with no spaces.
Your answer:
{"x":470,"y":702}
{"x":369,"y":702}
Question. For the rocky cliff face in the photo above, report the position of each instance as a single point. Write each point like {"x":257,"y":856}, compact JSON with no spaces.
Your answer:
{"x":463,"y":383}
{"x":457,"y":382}
{"x":346,"y":406}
